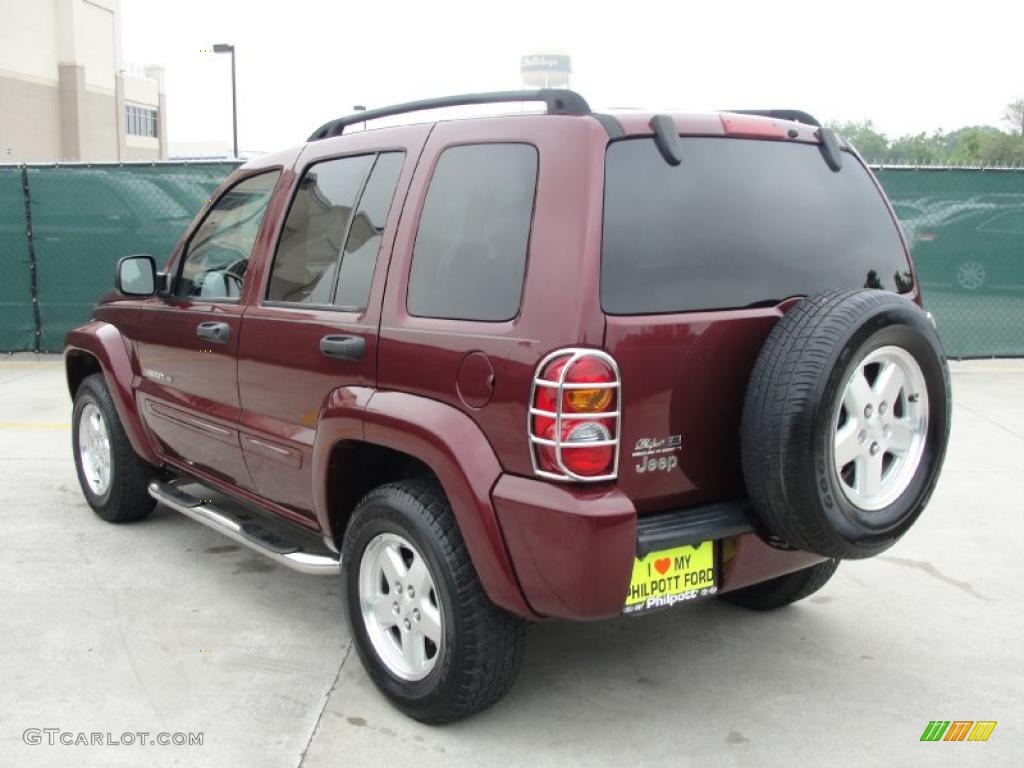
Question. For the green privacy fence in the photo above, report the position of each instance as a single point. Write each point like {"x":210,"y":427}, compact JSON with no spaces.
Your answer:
{"x":58,"y":252}
{"x":17,"y":322}
{"x":966,"y":231}
{"x":965,"y":227}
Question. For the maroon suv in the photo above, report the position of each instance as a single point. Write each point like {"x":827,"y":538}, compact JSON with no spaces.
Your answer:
{"x":496,"y":370}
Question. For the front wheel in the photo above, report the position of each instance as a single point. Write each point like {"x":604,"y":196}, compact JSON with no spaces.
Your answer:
{"x":424,"y":629}
{"x":114,"y":479}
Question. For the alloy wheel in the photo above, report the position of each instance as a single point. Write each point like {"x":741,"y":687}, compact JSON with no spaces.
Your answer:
{"x":400,"y":607}
{"x":94,"y":449}
{"x":879,"y":428}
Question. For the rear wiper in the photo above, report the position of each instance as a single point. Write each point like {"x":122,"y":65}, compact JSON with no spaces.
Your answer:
{"x":830,"y":148}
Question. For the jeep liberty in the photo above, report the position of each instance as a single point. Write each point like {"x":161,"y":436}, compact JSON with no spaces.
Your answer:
{"x":503,"y":369}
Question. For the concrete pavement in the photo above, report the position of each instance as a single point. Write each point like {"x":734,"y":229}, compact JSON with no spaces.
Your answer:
{"x":163,"y":626}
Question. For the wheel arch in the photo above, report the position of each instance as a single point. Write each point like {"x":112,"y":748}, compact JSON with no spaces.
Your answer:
{"x":391,"y":435}
{"x":99,"y":347}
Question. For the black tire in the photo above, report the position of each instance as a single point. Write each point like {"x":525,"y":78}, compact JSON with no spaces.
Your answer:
{"x":483,"y":645}
{"x":126,"y":497}
{"x":791,"y":401}
{"x":784,"y":590}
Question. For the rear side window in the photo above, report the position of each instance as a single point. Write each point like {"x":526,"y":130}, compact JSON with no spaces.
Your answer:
{"x":739,"y":223}
{"x":470,"y":253}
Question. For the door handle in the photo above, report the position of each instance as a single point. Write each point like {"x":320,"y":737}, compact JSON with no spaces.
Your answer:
{"x":219,"y":333}
{"x":343,"y":347}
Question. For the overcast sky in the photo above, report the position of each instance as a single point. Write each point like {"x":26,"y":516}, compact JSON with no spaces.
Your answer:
{"x":910,"y":66}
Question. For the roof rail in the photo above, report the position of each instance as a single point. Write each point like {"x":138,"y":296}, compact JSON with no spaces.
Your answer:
{"x":558,"y":101}
{"x":796,"y":115}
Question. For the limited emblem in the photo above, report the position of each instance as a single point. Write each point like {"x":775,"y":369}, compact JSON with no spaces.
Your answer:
{"x":657,"y":454}
{"x":163,"y":378}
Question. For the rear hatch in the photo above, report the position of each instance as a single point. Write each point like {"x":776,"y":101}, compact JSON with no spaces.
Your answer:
{"x":698,"y":262}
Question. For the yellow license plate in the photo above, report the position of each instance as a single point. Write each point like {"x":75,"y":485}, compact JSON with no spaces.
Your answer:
{"x":670,"y":576}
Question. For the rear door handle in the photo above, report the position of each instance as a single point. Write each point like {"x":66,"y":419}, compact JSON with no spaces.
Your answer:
{"x":219,"y":333}
{"x":343,"y":347}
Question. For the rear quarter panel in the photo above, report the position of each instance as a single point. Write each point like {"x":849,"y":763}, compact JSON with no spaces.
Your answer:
{"x":684,"y":377}
{"x":422,"y":355}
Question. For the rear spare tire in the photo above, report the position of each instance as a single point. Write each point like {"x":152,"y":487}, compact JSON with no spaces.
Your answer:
{"x":845,"y":422}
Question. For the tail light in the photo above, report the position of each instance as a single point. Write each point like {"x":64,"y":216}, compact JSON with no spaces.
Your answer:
{"x":575,"y":416}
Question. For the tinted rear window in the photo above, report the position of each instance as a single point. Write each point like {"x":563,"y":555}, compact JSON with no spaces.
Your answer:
{"x":739,"y":223}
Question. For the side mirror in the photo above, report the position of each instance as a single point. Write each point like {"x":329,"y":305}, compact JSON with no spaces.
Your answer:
{"x":136,"y":275}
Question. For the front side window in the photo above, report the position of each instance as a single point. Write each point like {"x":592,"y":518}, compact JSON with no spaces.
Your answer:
{"x":217,"y":256}
{"x":366,"y":231}
{"x":470,"y":254}
{"x":335,"y":222}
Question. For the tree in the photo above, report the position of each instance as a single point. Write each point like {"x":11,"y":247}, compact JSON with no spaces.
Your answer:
{"x":964,"y":146}
{"x":981,"y":145}
{"x":920,"y":149}
{"x":1014,"y":115}
{"x":872,"y":144}
{"x":1001,"y":149}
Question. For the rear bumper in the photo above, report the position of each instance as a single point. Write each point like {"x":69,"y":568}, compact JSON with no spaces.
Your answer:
{"x":573,"y":547}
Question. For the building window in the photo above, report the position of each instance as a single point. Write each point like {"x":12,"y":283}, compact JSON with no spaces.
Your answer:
{"x":140,"y":121}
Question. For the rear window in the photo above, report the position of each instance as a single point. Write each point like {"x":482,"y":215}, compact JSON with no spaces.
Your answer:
{"x":740,"y":223}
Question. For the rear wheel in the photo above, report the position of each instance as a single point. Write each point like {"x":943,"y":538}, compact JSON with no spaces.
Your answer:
{"x":114,"y":479}
{"x":424,"y":629}
{"x":784,"y":590}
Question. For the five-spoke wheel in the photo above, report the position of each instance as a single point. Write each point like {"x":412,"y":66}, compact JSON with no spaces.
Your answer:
{"x":423,"y":626}
{"x":94,"y":448}
{"x":400,"y":607}
{"x":114,"y":479}
{"x":880,"y":427}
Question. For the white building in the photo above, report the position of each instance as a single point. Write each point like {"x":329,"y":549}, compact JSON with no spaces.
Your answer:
{"x":66,"y":94}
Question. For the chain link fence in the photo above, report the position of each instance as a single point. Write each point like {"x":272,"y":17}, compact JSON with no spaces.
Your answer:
{"x":965,"y":228}
{"x":58,"y":249}
{"x":63,"y":228}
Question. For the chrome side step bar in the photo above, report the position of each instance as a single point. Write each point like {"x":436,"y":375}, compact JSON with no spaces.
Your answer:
{"x":248,"y":534}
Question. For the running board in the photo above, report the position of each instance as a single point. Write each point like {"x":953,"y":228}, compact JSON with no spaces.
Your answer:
{"x":248,"y":533}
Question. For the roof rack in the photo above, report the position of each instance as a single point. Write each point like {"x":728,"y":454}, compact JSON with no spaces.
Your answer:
{"x":558,"y":101}
{"x":796,"y":115}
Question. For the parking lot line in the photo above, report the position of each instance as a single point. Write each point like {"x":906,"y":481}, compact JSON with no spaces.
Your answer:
{"x":24,"y":425}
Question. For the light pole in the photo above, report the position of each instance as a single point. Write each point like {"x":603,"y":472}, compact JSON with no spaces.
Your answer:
{"x":226,"y":48}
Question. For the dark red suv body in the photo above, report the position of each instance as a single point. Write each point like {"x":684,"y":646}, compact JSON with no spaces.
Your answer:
{"x":498,"y":283}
